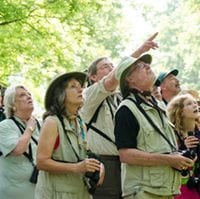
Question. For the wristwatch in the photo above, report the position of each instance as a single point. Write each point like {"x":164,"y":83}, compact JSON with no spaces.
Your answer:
{"x":31,"y":128}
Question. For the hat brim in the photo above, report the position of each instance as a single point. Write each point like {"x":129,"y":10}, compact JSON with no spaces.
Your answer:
{"x":159,"y":81}
{"x":173,"y":72}
{"x":81,"y":77}
{"x":147,"y":58}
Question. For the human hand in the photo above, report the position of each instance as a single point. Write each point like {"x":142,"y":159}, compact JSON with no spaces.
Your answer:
{"x":101,"y":174}
{"x":146,"y":46}
{"x":31,"y":124}
{"x":180,"y":162}
{"x":191,"y":142}
{"x":88,"y":165}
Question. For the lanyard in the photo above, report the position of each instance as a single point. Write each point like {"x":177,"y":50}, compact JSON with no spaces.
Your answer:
{"x":63,"y":126}
{"x":22,"y":129}
{"x":153,"y":124}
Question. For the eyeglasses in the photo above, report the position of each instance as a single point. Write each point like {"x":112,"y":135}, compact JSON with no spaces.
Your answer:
{"x":105,"y":66}
{"x":142,"y":64}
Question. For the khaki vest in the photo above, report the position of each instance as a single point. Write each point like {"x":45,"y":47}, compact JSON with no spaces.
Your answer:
{"x":55,"y":185}
{"x":160,"y":180}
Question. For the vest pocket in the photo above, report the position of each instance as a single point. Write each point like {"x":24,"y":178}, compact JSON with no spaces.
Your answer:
{"x":153,"y":141}
{"x":157,"y":177}
{"x":68,"y":195}
{"x":69,"y":183}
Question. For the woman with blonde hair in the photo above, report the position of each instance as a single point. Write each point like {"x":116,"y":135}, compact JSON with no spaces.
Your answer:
{"x":183,"y":112}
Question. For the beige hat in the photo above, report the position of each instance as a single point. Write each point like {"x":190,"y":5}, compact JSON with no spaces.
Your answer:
{"x":123,"y":68}
{"x":50,"y":93}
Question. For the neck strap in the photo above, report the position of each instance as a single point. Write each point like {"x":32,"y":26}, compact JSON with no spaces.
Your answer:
{"x":153,"y":124}
{"x":63,"y":126}
{"x":22,"y":129}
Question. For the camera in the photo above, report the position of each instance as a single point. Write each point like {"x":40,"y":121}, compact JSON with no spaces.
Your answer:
{"x":197,"y":134}
{"x":189,"y":153}
{"x":195,"y":150}
{"x":93,"y":177}
{"x":193,"y":182}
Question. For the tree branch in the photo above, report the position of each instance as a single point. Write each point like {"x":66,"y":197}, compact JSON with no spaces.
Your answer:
{"x":34,"y":28}
{"x":8,"y":22}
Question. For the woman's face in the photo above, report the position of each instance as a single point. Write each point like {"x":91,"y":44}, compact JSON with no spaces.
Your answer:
{"x":23,"y":100}
{"x":190,"y":108}
{"x":74,"y":93}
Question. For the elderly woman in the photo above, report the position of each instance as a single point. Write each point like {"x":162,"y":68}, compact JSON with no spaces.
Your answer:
{"x":61,"y":154}
{"x":18,"y":142}
{"x":183,"y":112}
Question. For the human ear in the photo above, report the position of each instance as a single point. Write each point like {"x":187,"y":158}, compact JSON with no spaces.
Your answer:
{"x":14,"y":109}
{"x":93,"y":78}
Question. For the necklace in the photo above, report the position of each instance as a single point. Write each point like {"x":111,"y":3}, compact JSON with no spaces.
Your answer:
{"x":78,"y":127}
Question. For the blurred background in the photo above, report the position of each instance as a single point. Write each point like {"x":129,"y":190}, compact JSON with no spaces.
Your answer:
{"x":42,"y":38}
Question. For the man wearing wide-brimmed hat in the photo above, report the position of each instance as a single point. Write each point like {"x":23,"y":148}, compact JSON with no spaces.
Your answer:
{"x":169,"y":84}
{"x":101,"y":102}
{"x":144,"y":137}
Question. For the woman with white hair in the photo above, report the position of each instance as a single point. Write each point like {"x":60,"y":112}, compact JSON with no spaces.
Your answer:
{"x":183,"y":112}
{"x":19,"y":133}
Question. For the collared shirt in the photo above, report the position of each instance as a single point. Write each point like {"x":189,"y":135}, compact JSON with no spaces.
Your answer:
{"x":15,"y":171}
{"x":93,"y":96}
{"x":161,"y":179}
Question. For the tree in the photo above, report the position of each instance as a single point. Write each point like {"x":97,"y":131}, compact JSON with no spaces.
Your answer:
{"x":40,"y":39}
{"x":178,"y":26}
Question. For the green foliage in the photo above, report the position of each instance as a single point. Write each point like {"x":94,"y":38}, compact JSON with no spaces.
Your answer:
{"x":178,"y":27}
{"x":40,"y":39}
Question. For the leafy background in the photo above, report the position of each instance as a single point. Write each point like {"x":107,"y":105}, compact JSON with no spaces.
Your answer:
{"x":42,"y":38}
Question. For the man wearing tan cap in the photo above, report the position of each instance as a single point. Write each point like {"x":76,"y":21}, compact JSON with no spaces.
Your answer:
{"x":145,"y":140}
{"x":101,"y":102}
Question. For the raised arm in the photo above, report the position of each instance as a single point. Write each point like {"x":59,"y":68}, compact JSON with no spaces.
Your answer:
{"x":146,"y":46}
{"x":110,"y":81}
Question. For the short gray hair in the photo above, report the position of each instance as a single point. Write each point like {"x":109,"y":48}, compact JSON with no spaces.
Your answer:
{"x":9,"y":99}
{"x":92,"y":69}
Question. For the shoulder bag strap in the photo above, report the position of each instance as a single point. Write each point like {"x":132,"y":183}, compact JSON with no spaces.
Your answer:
{"x":29,"y":155}
{"x":63,"y":126}
{"x":152,"y":123}
{"x":94,"y":119}
{"x":22,"y":129}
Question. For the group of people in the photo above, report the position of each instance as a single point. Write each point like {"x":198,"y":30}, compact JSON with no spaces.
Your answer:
{"x":101,"y":142}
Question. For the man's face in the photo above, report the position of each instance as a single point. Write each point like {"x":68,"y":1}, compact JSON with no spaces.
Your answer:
{"x":104,"y":67}
{"x":141,"y":77}
{"x":171,"y":84}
